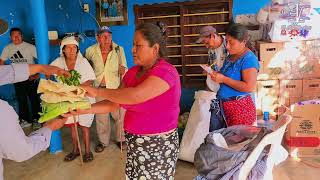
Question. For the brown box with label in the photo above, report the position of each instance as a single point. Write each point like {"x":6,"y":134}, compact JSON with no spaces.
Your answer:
{"x":311,"y":87}
{"x":290,"y":88}
{"x":267,"y":50}
{"x":277,"y":58}
{"x":303,"y":136}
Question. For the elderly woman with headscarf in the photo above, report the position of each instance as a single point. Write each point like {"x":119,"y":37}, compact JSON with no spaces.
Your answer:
{"x":71,"y":59}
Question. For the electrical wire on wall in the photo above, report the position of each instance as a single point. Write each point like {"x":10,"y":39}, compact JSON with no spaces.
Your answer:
{"x":82,"y":35}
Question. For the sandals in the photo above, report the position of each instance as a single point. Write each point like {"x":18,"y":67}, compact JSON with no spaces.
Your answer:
{"x":87,"y":157}
{"x":71,"y":156}
{"x":99,"y":148}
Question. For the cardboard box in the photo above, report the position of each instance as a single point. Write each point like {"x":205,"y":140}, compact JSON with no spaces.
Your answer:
{"x":287,"y":61}
{"x":309,"y":69}
{"x":268,"y":88}
{"x":290,"y":88}
{"x":311,"y":87}
{"x":276,"y":64}
{"x":286,"y":102}
{"x":268,"y":50}
{"x":312,"y":49}
{"x":303,"y":136}
{"x":268,"y":93}
{"x":307,"y":98}
{"x":293,"y":100}
{"x":275,"y":73}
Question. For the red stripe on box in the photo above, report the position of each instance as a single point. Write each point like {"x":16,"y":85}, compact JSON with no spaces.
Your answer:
{"x":303,"y":141}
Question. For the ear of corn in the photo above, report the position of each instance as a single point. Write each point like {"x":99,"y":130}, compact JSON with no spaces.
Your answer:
{"x":53,"y":110}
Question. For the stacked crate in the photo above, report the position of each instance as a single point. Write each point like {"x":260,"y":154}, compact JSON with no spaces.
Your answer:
{"x":289,"y":73}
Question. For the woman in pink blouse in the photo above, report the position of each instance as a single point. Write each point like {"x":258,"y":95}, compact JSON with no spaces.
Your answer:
{"x":150,"y":92}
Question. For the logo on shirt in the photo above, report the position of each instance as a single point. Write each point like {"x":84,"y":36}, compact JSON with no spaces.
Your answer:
{"x":18,"y":58}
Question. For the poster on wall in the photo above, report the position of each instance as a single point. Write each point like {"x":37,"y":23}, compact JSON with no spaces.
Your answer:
{"x":3,"y":26}
{"x":112,"y":12}
{"x":297,"y":21}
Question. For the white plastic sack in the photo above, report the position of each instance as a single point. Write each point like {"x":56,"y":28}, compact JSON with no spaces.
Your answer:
{"x":197,"y":126}
{"x":213,"y":86}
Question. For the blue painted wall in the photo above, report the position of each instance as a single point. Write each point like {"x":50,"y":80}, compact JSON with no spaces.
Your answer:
{"x":248,"y":6}
{"x":67,"y":16}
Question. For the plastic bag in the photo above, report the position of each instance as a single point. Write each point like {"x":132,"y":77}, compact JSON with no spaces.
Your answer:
{"x":213,"y":86}
{"x":197,"y":126}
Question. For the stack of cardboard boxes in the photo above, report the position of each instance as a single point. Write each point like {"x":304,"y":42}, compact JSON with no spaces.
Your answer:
{"x":289,"y":73}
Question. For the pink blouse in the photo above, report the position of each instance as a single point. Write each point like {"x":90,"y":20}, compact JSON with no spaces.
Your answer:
{"x":159,"y":114}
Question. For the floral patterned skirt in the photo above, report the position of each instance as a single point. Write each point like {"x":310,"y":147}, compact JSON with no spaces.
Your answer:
{"x":152,"y":157}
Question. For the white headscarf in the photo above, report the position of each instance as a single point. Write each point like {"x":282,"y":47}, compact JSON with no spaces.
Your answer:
{"x":66,"y":41}
{"x":70,"y":40}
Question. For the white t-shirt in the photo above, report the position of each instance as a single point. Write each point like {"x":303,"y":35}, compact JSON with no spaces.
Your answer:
{"x":23,"y":53}
{"x":84,"y":68}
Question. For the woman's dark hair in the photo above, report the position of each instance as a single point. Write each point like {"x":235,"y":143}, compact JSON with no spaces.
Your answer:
{"x":238,"y":32}
{"x":155,"y":34}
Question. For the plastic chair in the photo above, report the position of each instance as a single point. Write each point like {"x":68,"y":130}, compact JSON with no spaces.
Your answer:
{"x":274,"y":139}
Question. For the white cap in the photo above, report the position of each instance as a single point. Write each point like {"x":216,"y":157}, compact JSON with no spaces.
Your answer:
{"x":66,"y":41}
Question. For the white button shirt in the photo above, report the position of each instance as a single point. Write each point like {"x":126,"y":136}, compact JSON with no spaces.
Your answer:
{"x":14,"y":144}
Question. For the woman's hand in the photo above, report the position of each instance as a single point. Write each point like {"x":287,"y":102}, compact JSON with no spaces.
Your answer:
{"x":76,"y":112}
{"x":34,"y":77}
{"x":217,"y":77}
{"x":91,"y":91}
{"x":56,"y":123}
{"x":122,"y":70}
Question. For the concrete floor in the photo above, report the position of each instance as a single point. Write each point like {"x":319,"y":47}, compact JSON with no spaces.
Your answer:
{"x":109,"y":165}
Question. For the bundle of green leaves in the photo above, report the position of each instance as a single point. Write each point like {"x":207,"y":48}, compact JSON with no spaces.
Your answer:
{"x":74,"y":80}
